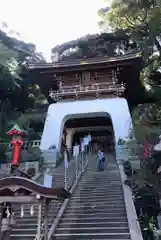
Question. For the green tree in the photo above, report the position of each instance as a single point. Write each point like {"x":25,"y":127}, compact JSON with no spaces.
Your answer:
{"x":97,"y":45}
{"x":18,"y":94}
{"x":142,"y":21}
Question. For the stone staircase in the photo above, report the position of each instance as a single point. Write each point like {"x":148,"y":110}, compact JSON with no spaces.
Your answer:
{"x":26,"y":226}
{"x":96,"y":209}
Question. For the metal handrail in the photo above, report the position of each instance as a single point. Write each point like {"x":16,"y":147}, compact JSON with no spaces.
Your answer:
{"x":71,"y":182}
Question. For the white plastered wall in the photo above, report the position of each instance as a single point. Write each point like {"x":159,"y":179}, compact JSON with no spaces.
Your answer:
{"x":59,"y":113}
{"x":69,"y":137}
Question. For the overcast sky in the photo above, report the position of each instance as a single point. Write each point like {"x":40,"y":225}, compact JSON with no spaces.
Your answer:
{"x":50,"y":22}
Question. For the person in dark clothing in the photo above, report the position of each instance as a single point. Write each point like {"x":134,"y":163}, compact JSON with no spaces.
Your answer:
{"x":101,"y":160}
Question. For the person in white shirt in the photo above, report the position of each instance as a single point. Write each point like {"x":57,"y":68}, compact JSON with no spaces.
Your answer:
{"x":89,"y":142}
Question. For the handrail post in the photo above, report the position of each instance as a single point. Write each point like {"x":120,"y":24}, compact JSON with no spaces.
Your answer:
{"x":46,"y":211}
{"x":39,"y":221}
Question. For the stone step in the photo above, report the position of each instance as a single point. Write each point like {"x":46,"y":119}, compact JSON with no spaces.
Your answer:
{"x":106,"y":185}
{"x":26,"y":217}
{"x":95,"y":210}
{"x":83,"y":224}
{"x":21,"y":231}
{"x":25,"y":221}
{"x":22,"y":236}
{"x":89,"y":230}
{"x":105,"y":182}
{"x":96,"y":205}
{"x":101,"y":189}
{"x":94,"y":215}
{"x":98,"y":184}
{"x":97,"y":198}
{"x":87,"y":236}
{"x":30,"y":225}
{"x":94,"y":187}
{"x":97,"y":194}
{"x":102,"y":176}
{"x":96,"y":219}
{"x":115,"y":174}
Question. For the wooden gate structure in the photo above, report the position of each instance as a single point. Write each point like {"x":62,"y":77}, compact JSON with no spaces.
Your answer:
{"x":14,"y":189}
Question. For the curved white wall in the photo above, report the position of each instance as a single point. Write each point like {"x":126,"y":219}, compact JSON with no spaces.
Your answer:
{"x":58,"y":113}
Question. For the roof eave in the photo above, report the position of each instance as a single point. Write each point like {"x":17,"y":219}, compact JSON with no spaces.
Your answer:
{"x":84,"y":62}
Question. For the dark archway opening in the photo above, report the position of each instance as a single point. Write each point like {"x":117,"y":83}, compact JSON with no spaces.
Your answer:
{"x":100,"y":139}
{"x":88,"y":122}
{"x":100,"y":128}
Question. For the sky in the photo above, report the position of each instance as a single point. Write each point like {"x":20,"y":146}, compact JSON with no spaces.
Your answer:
{"x":47,"y":23}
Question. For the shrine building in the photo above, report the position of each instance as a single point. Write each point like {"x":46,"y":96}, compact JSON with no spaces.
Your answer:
{"x":88,"y":96}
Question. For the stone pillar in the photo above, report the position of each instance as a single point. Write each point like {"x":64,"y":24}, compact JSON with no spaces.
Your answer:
{"x":69,"y":137}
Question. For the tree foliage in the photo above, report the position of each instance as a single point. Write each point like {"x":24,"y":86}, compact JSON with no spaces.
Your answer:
{"x":12,"y":47}
{"x":105,"y":44}
{"x":17,"y":94}
{"x":141,"y":20}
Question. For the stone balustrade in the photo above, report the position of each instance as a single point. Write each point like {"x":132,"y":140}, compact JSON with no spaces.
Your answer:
{"x":35,"y":143}
{"x":5,"y":168}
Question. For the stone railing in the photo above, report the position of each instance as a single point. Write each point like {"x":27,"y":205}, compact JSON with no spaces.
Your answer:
{"x":35,"y":143}
{"x":5,"y":168}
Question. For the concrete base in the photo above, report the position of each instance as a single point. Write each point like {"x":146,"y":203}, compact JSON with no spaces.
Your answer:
{"x":29,"y":165}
